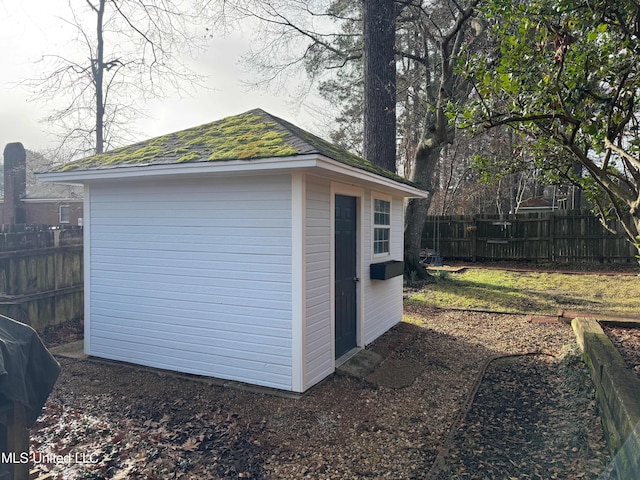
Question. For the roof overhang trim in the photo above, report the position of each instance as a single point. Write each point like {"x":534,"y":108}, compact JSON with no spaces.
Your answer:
{"x":313,"y":162}
{"x":52,"y":200}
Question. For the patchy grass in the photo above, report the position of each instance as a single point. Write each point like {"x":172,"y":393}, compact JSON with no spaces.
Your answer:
{"x":529,"y":292}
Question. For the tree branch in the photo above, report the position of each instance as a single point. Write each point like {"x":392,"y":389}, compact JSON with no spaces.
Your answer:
{"x":624,"y":154}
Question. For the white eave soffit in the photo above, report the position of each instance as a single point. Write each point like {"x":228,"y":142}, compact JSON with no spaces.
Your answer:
{"x":235,"y":167}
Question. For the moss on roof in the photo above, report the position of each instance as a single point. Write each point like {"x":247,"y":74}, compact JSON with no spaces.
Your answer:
{"x":251,"y":135}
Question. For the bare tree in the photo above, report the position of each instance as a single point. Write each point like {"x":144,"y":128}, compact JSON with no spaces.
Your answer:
{"x":124,"y":52}
{"x":322,"y":36}
{"x":447,"y":30}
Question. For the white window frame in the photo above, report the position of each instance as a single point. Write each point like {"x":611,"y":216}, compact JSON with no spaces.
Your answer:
{"x":379,"y":226}
{"x":68,"y":220}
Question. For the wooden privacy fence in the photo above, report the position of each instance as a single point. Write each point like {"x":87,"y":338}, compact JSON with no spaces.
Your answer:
{"x":41,"y":274}
{"x":572,"y":236}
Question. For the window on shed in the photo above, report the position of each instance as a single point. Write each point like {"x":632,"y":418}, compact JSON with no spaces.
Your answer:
{"x":64,"y":214}
{"x":381,"y":226}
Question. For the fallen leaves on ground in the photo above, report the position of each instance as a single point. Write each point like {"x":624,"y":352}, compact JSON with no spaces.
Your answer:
{"x":132,"y":422}
{"x":528,"y":417}
{"x":137,"y":442}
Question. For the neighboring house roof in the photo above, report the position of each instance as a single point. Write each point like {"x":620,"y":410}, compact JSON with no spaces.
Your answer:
{"x":45,"y":192}
{"x":538,"y":202}
{"x":252,"y":135}
{"x":52,"y":192}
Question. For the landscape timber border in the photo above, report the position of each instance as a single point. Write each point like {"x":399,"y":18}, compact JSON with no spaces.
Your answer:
{"x":617,"y":392}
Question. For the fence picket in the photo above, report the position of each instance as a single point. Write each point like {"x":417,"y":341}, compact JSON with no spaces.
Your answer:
{"x":41,"y":274}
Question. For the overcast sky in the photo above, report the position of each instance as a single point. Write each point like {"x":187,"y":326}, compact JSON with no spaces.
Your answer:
{"x":30,"y":28}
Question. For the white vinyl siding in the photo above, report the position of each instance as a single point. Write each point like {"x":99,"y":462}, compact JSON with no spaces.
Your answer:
{"x":194,"y":276}
{"x":383,"y":298}
{"x":317,"y":282}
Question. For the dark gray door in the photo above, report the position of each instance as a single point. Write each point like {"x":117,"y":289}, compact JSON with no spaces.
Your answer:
{"x":345,"y":269}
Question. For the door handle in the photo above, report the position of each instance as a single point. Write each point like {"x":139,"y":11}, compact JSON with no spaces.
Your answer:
{"x":356,"y":279}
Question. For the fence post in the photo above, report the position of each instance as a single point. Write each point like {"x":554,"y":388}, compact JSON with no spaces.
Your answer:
{"x":473,"y":230}
{"x":551,"y":247}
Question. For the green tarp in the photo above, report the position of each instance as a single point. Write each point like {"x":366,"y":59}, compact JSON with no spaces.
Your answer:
{"x":27,"y":370}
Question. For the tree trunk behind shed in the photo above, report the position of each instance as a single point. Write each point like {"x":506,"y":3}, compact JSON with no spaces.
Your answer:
{"x":424,"y":176}
{"x":379,"y":82}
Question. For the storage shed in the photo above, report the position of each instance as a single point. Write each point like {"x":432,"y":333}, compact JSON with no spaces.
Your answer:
{"x":245,"y":249}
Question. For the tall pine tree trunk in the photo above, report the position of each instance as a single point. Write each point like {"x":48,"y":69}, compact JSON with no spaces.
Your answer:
{"x":379,"y":35}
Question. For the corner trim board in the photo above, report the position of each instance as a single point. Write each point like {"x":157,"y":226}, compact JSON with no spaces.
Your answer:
{"x":298,"y":289}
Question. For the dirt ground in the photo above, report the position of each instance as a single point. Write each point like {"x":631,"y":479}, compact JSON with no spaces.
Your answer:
{"x":488,"y":397}
{"x":627,"y":341}
{"x":578,"y":268}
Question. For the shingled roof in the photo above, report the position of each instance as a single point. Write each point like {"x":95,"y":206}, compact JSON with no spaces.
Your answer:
{"x":251,"y":135}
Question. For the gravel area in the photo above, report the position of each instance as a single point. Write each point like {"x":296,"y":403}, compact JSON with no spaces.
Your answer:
{"x":465,"y":412}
